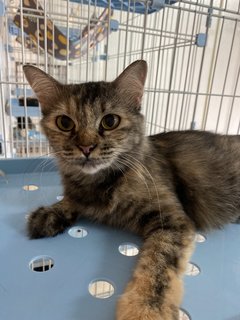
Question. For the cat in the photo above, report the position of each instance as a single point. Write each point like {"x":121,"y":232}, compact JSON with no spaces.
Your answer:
{"x":163,"y":187}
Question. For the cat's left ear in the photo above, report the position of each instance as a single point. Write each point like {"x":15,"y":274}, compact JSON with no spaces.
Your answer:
{"x":131,"y":82}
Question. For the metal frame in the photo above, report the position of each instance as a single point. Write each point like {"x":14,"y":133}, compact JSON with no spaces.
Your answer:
{"x":191,"y":48}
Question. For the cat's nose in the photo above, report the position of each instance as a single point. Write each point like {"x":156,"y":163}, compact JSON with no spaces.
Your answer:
{"x":86,"y":150}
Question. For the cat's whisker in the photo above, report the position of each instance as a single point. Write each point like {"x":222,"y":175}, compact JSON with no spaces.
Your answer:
{"x":45,"y":163}
{"x":127,"y":163}
{"x":144,"y":169}
{"x":132,"y":166}
{"x":146,"y":155}
{"x":40,"y":166}
{"x":119,"y":168}
{"x":46,"y":157}
{"x":153,"y":181}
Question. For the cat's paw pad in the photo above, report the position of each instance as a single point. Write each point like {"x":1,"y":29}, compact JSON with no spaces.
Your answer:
{"x":46,"y":222}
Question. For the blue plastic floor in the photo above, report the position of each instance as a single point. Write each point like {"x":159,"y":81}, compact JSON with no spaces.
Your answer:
{"x":62,"y":292}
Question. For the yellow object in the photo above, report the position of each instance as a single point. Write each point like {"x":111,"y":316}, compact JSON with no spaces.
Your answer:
{"x":78,"y":46}
{"x":49,"y":35}
{"x":62,"y":39}
{"x":63,"y":52}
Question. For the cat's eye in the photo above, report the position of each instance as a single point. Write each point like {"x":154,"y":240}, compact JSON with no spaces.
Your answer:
{"x":110,"y":121}
{"x":65,"y":123}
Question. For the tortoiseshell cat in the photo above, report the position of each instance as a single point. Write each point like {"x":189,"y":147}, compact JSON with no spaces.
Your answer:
{"x":163,"y":187}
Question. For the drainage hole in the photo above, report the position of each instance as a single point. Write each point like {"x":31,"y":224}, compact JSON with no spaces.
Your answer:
{"x":192,"y":269}
{"x":183,"y":315}
{"x":200,"y":238}
{"x":78,"y":232}
{"x":30,"y":187}
{"x":41,"y":264}
{"x":128,"y":249}
{"x":101,"y":289}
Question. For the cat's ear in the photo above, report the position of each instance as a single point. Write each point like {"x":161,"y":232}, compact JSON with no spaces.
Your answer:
{"x":131,"y":81}
{"x":46,"y":88}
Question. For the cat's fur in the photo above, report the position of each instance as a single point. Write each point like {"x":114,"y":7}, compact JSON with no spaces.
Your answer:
{"x":163,"y":187}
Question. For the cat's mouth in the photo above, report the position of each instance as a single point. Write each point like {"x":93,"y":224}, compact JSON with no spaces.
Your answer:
{"x":90,"y":165}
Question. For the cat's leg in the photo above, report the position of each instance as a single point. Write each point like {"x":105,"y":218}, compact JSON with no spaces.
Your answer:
{"x":155,"y":292}
{"x":49,"y":221}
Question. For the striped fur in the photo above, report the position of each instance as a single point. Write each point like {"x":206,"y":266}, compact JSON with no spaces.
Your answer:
{"x":162,"y":187}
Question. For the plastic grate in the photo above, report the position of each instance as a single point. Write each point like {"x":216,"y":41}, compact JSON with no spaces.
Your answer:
{"x":81,"y":273}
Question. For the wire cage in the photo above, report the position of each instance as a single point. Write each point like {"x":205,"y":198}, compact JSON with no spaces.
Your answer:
{"x":192,"y":49}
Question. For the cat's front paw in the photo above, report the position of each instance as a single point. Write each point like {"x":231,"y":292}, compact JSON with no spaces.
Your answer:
{"x":132,"y":307}
{"x":46,"y":222}
{"x":134,"y":304}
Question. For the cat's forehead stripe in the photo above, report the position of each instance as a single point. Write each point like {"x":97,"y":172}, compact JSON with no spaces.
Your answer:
{"x":90,"y":92}
{"x":91,"y":98}
{"x":88,"y":113}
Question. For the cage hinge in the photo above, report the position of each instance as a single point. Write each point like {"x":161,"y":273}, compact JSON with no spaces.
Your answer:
{"x":114,"y":25}
{"x":209,"y":18}
{"x":201,"y":39}
{"x":193,"y":125}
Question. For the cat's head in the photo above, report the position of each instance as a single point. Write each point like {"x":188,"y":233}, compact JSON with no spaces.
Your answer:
{"x":92,"y":126}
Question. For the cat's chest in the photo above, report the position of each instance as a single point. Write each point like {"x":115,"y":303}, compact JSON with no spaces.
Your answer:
{"x":112,"y":200}
{"x":98,"y":202}
{"x":100,"y":193}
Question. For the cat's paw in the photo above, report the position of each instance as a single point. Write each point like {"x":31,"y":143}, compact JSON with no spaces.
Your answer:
{"x":46,"y":222}
{"x":133,"y":307}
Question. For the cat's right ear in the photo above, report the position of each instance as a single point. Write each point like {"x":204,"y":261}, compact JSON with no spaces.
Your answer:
{"x":46,"y":88}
